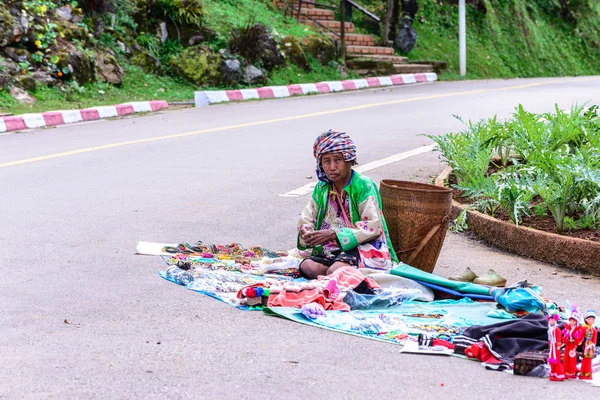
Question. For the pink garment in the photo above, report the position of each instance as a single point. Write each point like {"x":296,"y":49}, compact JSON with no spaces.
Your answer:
{"x":321,"y":290}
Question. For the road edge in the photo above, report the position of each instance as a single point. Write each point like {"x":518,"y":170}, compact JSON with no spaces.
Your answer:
{"x":63,"y":117}
{"x":206,"y":98}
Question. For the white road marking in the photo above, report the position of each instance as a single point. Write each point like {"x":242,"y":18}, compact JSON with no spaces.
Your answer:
{"x":308,"y":188}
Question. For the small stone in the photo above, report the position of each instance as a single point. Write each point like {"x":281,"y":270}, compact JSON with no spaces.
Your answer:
{"x":44,"y":78}
{"x":195,"y":40}
{"x":162,"y":29}
{"x":9,"y":66}
{"x":21,"y":95}
{"x":254,"y":76}
{"x":107,"y":68}
{"x":231,"y":71}
{"x":4,"y":79}
{"x":17,"y":55}
{"x":27,"y":82}
{"x":24,"y":24}
{"x":64,"y":12}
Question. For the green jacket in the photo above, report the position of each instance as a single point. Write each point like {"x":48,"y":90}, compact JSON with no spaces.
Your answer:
{"x":366,"y":215}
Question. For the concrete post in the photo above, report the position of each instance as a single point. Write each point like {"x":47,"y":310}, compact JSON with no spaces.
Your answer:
{"x":462,"y":37}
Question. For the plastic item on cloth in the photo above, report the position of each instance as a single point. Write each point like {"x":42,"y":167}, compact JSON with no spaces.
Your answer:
{"x":387,"y":298}
{"x":268,"y":265}
{"x":520,"y":297}
{"x":501,"y":314}
{"x":313,"y":310}
{"x":179,"y":276}
{"x":541,"y":371}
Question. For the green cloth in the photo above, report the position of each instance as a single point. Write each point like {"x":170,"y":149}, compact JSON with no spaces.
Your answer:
{"x":407,"y":271}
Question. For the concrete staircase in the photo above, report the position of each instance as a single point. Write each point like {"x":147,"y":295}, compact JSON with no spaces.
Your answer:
{"x":363,"y":54}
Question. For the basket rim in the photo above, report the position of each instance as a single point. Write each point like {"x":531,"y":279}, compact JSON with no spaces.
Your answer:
{"x":434,"y":189}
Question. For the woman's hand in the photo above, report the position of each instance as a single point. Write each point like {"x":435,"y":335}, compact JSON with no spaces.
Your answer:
{"x":318,"y":238}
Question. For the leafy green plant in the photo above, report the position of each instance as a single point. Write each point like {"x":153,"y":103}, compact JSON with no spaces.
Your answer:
{"x":467,"y":152}
{"x":540,"y":209}
{"x":559,"y":162}
{"x":587,"y":222}
{"x":570,"y":224}
{"x":460,"y":223}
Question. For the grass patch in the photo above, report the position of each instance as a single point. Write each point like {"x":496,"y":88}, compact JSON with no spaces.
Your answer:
{"x":512,"y":39}
{"x":294,"y":74}
{"x":226,"y":15}
{"x":137,"y":86}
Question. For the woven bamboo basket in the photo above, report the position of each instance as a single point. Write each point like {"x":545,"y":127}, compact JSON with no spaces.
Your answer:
{"x":417,"y":216}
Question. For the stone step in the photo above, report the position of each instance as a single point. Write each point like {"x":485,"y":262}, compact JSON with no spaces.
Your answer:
{"x":412,"y":68}
{"x":318,"y":14}
{"x":355,"y":39}
{"x":380,"y":57}
{"x":365,"y":50}
{"x":305,"y":4}
{"x":335,"y":26}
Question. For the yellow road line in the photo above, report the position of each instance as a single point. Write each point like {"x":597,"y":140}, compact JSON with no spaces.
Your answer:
{"x":265,"y":122}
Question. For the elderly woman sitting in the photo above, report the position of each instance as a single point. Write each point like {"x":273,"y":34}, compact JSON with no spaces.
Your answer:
{"x":343,"y":222}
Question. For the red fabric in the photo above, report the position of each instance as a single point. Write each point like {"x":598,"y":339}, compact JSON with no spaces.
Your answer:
{"x":478,"y":351}
{"x":572,"y":339}
{"x":557,"y":372}
{"x":440,"y":342}
{"x":288,"y":294}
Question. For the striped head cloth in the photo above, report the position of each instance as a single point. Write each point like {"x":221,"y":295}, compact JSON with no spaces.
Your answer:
{"x":333,"y":142}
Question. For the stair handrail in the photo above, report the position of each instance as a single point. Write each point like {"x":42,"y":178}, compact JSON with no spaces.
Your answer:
{"x":298,"y":9}
{"x":363,"y":10}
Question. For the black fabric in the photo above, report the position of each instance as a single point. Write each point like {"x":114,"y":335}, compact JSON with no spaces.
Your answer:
{"x":509,"y":338}
{"x":350,"y":257}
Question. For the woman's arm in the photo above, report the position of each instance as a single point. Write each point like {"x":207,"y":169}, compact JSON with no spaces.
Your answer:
{"x":307,"y":222}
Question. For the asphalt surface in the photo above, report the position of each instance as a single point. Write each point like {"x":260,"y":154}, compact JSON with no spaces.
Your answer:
{"x":82,"y":316}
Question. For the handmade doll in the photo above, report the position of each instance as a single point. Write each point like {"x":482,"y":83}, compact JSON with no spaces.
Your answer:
{"x":555,"y":342}
{"x":590,"y":338}
{"x":572,"y":336}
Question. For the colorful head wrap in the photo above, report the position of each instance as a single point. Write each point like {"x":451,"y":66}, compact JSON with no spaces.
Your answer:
{"x":333,"y":142}
{"x":576,"y":315}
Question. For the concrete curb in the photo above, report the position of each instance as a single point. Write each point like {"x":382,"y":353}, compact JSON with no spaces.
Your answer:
{"x":53,"y":118}
{"x":206,"y":98}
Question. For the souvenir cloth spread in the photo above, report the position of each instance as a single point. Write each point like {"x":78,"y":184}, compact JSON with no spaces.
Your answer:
{"x":366,"y":218}
{"x":443,"y":320}
{"x":222,"y":271}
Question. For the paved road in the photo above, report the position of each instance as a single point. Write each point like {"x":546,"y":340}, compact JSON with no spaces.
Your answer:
{"x":75,"y":200}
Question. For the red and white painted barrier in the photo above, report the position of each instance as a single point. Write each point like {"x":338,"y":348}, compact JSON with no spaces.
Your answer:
{"x":52,"y":118}
{"x":207,"y":98}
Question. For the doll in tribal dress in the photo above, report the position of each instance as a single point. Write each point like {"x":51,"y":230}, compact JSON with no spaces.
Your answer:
{"x":590,"y":339}
{"x":557,"y":372}
{"x":572,"y":336}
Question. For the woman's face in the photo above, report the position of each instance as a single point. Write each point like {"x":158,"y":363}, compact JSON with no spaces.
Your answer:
{"x":336,"y":169}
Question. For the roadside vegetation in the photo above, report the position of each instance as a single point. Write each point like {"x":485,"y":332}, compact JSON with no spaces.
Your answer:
{"x":539,"y":170}
{"x":74,"y":54}
{"x":512,"y":38}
